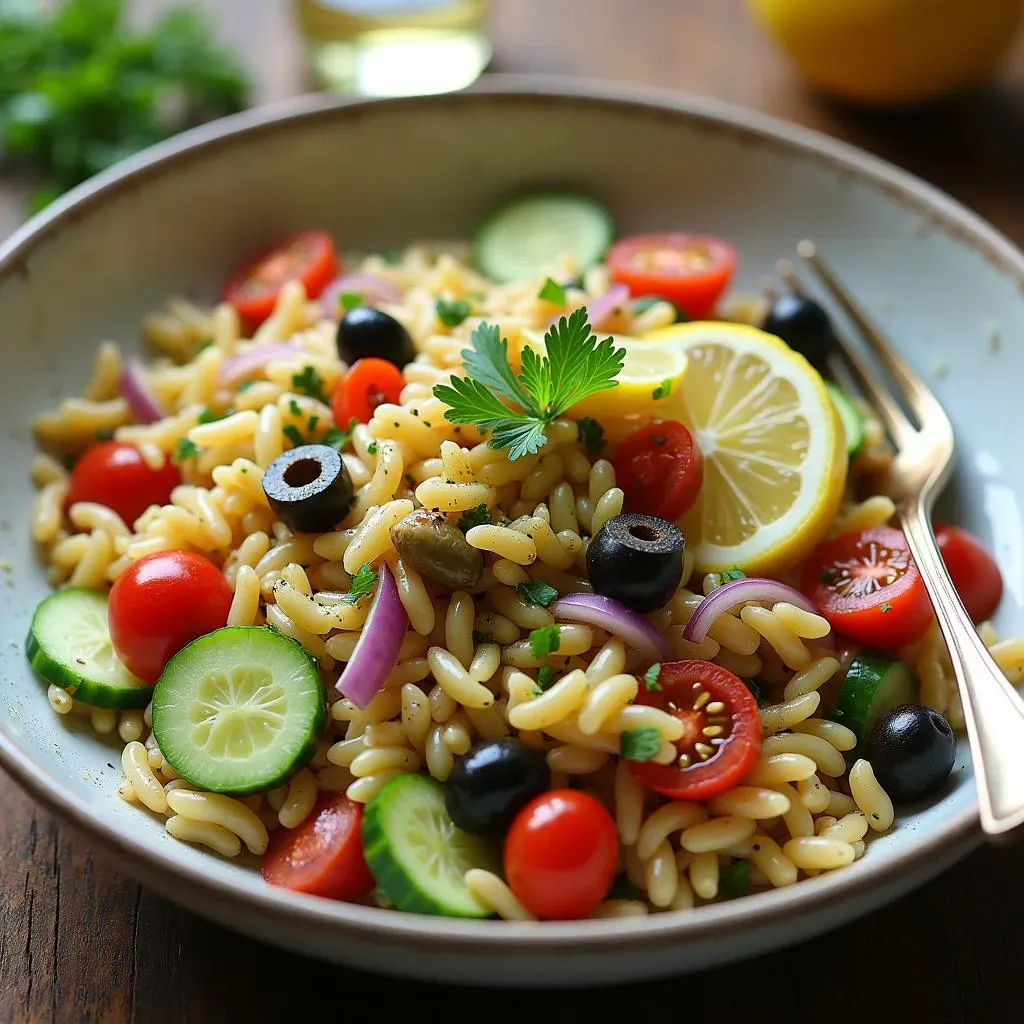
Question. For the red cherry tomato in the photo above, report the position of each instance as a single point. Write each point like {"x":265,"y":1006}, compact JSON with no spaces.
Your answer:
{"x":309,"y":257}
{"x":690,"y":270}
{"x":116,"y":475}
{"x":867,"y":585}
{"x":368,"y":383}
{"x":324,"y":855}
{"x":660,"y":469}
{"x":162,"y":602}
{"x":704,"y":697}
{"x":975,"y":572}
{"x":561,"y":854}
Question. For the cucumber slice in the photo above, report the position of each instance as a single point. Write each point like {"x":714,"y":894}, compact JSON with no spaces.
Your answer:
{"x":69,"y":645}
{"x":850,"y":416}
{"x":239,"y":710}
{"x":416,"y":853}
{"x":874,"y":684}
{"x":525,"y":237}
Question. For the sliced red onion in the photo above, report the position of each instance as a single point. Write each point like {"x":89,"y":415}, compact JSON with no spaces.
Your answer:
{"x":374,"y":290}
{"x":616,"y":618}
{"x":246,"y":364}
{"x":376,"y":651}
{"x":754,"y":588}
{"x":599,"y":309}
{"x":145,"y":406}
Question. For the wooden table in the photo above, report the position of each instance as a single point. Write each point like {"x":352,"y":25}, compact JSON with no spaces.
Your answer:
{"x":87,"y":944}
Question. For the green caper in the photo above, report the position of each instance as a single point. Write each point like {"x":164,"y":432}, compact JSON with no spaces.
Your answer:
{"x":437,"y":550}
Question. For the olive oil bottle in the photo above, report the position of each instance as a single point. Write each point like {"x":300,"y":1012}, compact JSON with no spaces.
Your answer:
{"x":395,"y":47}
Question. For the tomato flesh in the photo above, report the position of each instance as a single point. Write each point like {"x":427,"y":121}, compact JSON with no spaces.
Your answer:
{"x":691,"y":271}
{"x":561,"y":854}
{"x":309,"y":257}
{"x":722,"y":738}
{"x":324,"y":855}
{"x":867,"y":585}
{"x":368,"y":383}
{"x":116,"y":475}
{"x":660,"y":470}
{"x":161,"y":603}
{"x":974,"y":571}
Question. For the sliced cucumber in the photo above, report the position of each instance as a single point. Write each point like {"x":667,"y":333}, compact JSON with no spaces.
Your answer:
{"x":69,"y":646}
{"x":239,"y":710}
{"x":416,"y":853}
{"x":526,"y":236}
{"x":874,"y":684}
{"x":850,"y":416}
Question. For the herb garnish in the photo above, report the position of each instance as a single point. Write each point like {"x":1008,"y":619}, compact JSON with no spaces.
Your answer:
{"x":640,"y":744}
{"x":537,"y":592}
{"x":185,"y":449}
{"x":309,"y":382}
{"x":451,"y":314}
{"x":591,"y":435}
{"x":545,"y":641}
{"x":478,"y":515}
{"x":552,"y":292}
{"x":651,"y":678}
{"x":363,"y":583}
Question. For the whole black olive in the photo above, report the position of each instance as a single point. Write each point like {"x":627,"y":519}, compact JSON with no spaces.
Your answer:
{"x":364,"y":332}
{"x":309,"y":488}
{"x":803,"y":325}
{"x":637,"y":560}
{"x":493,"y":782}
{"x":911,"y":749}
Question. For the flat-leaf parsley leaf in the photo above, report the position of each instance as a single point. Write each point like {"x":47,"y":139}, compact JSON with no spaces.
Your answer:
{"x":663,"y":390}
{"x":545,"y":641}
{"x":639,"y":744}
{"x":451,"y":314}
{"x":591,"y":435}
{"x":545,"y":678}
{"x":363,"y":583}
{"x":575,"y":366}
{"x":478,"y":515}
{"x":537,"y":592}
{"x":309,"y":382}
{"x":349,"y":300}
{"x":552,"y":292}
{"x":185,"y":449}
{"x":651,"y":677}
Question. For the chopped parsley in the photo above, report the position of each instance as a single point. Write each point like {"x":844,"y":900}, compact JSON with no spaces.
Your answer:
{"x":311,"y":424}
{"x":185,"y":449}
{"x":371,"y":448}
{"x":663,"y":390}
{"x":104,"y":434}
{"x":482,"y":638}
{"x":206,"y":343}
{"x":735,"y":879}
{"x":293,"y":434}
{"x":363,"y":584}
{"x":478,"y":515}
{"x":209,"y":416}
{"x":651,"y":678}
{"x":349,"y":300}
{"x":308,"y":382}
{"x":575,"y":366}
{"x":591,"y":435}
{"x":537,"y":592}
{"x":731,"y":575}
{"x":552,"y":292}
{"x":451,"y":314}
{"x":294,"y":407}
{"x":245,"y":385}
{"x":640,"y":744}
{"x":546,"y":678}
{"x":338,"y":438}
{"x":545,"y":641}
{"x":887,"y":607}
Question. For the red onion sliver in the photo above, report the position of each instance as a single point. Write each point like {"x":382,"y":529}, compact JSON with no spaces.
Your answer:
{"x":374,"y":290}
{"x":599,"y":309}
{"x":616,"y":618}
{"x":247,"y":364}
{"x":376,"y":651}
{"x":729,"y":595}
{"x":143,"y":403}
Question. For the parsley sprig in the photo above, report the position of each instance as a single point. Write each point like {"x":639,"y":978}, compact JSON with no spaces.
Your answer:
{"x":575,"y":366}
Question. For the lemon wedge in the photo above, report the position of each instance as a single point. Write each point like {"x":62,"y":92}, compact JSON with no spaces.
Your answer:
{"x":648,"y":385}
{"x":774,"y":450}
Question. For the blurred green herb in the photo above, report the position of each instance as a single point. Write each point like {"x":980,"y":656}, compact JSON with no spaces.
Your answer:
{"x":79,"y":91}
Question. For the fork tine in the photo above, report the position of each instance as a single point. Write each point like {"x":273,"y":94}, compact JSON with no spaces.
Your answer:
{"x":917,"y":395}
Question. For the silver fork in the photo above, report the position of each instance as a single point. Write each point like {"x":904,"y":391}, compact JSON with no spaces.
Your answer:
{"x":993,"y":711}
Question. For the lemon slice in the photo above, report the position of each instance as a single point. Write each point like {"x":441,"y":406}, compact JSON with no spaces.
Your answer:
{"x":774,"y":451}
{"x":648,"y":386}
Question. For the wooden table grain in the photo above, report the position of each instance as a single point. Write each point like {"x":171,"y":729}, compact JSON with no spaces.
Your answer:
{"x":81,"y":942}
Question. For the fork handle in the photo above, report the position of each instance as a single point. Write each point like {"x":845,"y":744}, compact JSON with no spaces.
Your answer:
{"x":993,"y":710}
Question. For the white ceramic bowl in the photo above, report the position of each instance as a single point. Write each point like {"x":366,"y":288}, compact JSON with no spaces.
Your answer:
{"x":379,"y":174}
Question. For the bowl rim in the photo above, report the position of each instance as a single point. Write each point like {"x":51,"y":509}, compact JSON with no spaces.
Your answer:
{"x":838,"y":889}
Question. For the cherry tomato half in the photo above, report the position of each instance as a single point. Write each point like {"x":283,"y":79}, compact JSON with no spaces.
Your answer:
{"x":867,"y":585}
{"x":974,"y":571}
{"x":660,"y":470}
{"x":722,"y":739}
{"x":690,"y":270}
{"x":162,"y":602}
{"x":324,"y":855}
{"x":561,"y":854}
{"x":368,"y":383}
{"x":116,"y":475}
{"x":309,"y":257}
